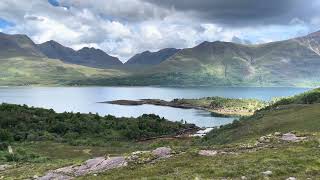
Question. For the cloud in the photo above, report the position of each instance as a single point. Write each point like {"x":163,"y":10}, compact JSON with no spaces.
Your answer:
{"x":237,"y":40}
{"x":245,"y":12}
{"x":33,"y":18}
{"x":125,"y":27}
{"x":124,"y":10}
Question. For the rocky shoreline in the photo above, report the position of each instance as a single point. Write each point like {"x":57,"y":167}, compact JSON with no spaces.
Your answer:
{"x":220,"y":112}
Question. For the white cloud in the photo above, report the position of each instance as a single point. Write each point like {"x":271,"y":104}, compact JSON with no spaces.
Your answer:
{"x":81,"y":45}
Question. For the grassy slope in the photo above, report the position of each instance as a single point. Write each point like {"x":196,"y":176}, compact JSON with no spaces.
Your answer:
{"x":297,"y":160}
{"x":49,"y":155}
{"x":302,"y":118}
{"x":41,"y":71}
{"x":298,"y":113}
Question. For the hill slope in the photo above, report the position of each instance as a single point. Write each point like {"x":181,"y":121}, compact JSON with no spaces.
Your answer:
{"x":299,"y":113}
{"x":21,"y":71}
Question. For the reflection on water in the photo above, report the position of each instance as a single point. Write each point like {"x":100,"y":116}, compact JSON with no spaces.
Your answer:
{"x":84,"y":99}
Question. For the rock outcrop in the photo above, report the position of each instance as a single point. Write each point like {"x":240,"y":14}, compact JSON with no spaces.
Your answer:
{"x":162,"y":152}
{"x":101,"y":164}
{"x":91,"y":166}
{"x":291,"y":137}
{"x":207,"y":153}
{"x":4,"y":167}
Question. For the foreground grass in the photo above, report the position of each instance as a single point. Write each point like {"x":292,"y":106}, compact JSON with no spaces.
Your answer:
{"x":48,"y":155}
{"x":297,"y":160}
{"x":300,"y":160}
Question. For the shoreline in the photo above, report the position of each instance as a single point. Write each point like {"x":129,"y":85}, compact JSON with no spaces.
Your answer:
{"x":219,"y":112}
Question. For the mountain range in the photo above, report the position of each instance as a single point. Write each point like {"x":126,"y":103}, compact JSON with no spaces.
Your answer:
{"x":293,"y":62}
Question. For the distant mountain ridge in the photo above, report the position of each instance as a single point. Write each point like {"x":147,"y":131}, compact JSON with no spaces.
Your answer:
{"x":22,"y":45}
{"x":86,"y":56}
{"x":151,"y":58}
{"x":293,"y":62}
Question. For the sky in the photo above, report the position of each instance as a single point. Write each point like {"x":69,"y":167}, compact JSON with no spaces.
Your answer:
{"x":123,"y":28}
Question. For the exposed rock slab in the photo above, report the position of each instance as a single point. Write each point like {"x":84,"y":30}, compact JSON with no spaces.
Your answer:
{"x":101,"y":164}
{"x":291,"y":137}
{"x":55,"y":176}
{"x":162,"y":152}
{"x":208,"y":152}
{"x":202,"y":133}
{"x":95,"y":165}
{"x":291,"y":178}
{"x":267,"y":173}
{"x":4,"y":167}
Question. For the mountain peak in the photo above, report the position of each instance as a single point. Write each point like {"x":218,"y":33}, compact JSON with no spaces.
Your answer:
{"x":51,"y":43}
{"x":148,"y":58}
{"x":88,"y":48}
{"x":19,"y":45}
{"x":92,"y":50}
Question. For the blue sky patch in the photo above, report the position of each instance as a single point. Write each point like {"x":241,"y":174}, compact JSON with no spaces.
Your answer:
{"x":4,"y":23}
{"x":54,"y":2}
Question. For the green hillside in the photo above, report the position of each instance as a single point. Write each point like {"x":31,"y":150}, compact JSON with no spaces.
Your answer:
{"x":20,"y":71}
{"x":310,"y":97}
{"x":299,"y":113}
{"x":286,"y":63}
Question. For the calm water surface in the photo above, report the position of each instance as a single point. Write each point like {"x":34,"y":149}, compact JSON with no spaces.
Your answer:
{"x":84,"y":99}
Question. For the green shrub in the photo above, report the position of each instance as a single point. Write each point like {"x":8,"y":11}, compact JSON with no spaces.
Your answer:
{"x":21,"y":123}
{"x":6,"y":135}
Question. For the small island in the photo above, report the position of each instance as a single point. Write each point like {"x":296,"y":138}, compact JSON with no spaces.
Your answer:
{"x":219,"y":106}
